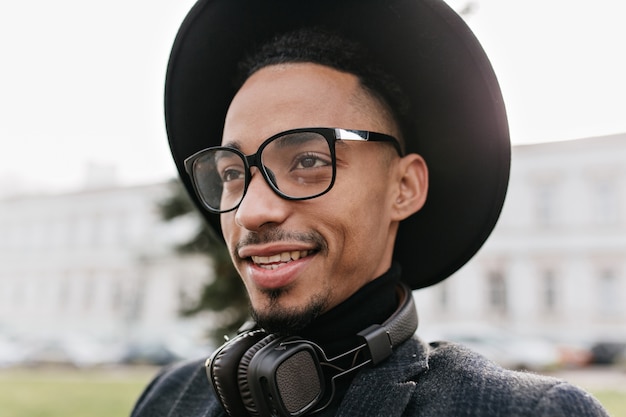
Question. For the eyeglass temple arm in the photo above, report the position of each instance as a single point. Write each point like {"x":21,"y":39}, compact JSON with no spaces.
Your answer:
{"x":367,"y":136}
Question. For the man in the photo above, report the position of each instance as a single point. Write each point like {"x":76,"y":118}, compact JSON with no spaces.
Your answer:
{"x":364,"y":149}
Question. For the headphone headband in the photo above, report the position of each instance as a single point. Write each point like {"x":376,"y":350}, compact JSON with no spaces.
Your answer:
{"x":402,"y":324}
{"x":260,"y":374}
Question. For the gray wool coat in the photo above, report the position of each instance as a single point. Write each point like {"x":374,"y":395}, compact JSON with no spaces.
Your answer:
{"x":436,"y":380}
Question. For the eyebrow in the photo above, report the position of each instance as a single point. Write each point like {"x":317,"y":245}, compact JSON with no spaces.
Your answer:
{"x":235,"y":144}
{"x":296,"y":138}
{"x":232,"y":144}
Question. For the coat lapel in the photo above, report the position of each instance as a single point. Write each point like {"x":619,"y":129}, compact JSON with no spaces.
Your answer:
{"x":386,"y":389}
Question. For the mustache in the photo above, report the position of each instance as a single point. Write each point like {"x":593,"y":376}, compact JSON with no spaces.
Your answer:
{"x":279,"y":235}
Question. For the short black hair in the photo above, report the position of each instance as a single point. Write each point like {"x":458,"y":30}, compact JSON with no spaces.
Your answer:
{"x":321,"y":46}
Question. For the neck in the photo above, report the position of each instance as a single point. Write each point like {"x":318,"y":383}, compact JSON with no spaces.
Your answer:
{"x":336,"y":330}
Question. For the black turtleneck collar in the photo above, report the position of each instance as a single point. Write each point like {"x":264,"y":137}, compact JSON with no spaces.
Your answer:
{"x":335,"y":331}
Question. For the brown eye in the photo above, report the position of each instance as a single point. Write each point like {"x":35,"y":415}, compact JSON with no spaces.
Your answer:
{"x":311,"y":161}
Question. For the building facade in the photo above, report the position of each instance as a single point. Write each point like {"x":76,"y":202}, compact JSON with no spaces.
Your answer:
{"x":101,"y":261}
{"x":98,"y":262}
{"x":555,"y":265}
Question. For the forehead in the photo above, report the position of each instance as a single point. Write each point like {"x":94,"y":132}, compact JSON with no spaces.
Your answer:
{"x":289,"y":96}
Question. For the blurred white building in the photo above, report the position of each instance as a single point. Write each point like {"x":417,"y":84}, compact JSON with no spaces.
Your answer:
{"x":101,"y":261}
{"x":96,"y":262}
{"x":555,"y":265}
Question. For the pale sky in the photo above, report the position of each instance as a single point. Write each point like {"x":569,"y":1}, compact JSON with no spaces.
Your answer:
{"x":81,"y":82}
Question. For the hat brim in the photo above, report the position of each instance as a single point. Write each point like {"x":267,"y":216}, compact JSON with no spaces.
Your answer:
{"x":462,"y":131}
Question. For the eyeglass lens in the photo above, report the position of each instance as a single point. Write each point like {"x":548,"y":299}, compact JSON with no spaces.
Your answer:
{"x":297,"y":165}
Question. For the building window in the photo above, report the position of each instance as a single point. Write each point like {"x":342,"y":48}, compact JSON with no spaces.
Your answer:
{"x":545,"y":204}
{"x":497,"y":292}
{"x":605,"y":203}
{"x":443,"y":297}
{"x":117,"y":296}
{"x":63,"y":292}
{"x":83,"y":231}
{"x":608,"y":293}
{"x":88,"y":290}
{"x":550,"y":291}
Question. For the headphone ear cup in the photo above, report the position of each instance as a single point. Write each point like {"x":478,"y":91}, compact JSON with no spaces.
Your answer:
{"x":224,"y":369}
{"x":242,"y":374}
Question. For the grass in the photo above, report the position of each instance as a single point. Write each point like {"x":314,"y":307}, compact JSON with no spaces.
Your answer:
{"x":614,"y":401}
{"x":70,"y":392}
{"x":112,"y":392}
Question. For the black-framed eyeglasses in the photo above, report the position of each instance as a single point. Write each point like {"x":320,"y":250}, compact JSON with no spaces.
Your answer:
{"x":298,"y":164}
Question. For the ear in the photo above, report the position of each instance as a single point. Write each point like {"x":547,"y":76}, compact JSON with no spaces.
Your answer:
{"x":412,"y":186}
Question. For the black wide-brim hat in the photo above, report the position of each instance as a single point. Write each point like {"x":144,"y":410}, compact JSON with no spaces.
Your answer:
{"x":461,"y":128}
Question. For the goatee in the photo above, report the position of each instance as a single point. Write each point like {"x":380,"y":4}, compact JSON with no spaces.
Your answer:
{"x":287,"y":321}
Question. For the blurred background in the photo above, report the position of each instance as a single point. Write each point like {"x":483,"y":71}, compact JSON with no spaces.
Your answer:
{"x":106,"y":272}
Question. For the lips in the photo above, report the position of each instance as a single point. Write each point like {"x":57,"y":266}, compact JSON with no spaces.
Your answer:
{"x":280,"y":259}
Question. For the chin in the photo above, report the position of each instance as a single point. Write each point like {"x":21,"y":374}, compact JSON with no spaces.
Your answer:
{"x":276,"y":317}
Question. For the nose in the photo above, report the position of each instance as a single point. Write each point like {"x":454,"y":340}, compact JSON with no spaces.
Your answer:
{"x":261,"y":205}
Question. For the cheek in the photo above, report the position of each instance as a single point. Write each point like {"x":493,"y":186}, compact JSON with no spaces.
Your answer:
{"x":227,"y":222}
{"x":364,"y":196}
{"x":369,"y":214}
{"x":356,"y":217}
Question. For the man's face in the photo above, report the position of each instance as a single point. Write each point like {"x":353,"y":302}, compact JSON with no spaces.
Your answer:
{"x":301,"y":258}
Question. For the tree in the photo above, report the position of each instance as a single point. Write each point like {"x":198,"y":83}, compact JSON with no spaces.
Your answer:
{"x":224,"y":295}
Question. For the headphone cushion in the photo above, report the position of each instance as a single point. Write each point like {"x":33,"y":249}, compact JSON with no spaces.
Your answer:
{"x":242,"y":373}
{"x":224,"y":370}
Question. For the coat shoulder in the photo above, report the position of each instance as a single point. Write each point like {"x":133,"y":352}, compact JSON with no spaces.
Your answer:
{"x":460,"y":381}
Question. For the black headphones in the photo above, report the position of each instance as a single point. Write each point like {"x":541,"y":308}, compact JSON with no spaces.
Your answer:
{"x":261,"y":374}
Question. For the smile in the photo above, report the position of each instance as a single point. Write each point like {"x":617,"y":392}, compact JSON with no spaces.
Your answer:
{"x":276,"y":261}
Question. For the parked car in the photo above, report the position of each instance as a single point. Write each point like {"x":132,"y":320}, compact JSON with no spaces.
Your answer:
{"x":71,"y":350}
{"x":509,"y":350}
{"x":149,"y":353}
{"x":608,"y":353}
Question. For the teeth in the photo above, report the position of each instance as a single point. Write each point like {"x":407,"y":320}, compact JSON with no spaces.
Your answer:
{"x":274,"y":258}
{"x":273,"y":262}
